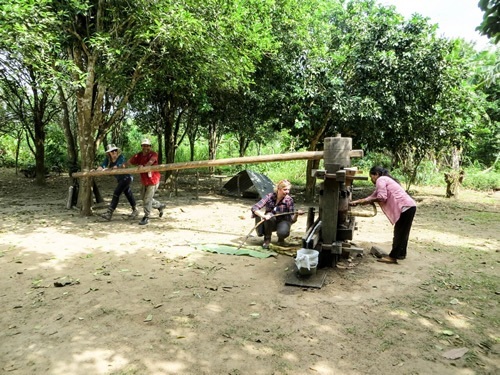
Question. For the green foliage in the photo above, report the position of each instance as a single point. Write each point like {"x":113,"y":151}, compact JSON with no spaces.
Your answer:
{"x":491,"y":19}
{"x":8,"y":145}
{"x":295,"y":171}
{"x":129,"y":138}
{"x":7,"y":152}
{"x":55,"y":147}
{"x":484,"y":142}
{"x":477,"y":179}
{"x":429,"y":175}
{"x":373,"y":159}
{"x":201,"y":152}
{"x":239,"y":71}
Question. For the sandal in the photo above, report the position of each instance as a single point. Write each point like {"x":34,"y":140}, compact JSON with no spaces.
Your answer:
{"x":388,"y":259}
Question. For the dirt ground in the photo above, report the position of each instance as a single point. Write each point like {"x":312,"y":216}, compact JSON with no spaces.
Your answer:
{"x":82,"y":296}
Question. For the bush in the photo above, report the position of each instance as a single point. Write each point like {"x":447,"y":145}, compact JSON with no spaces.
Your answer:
{"x":8,"y":146}
{"x":476,"y":179}
{"x":371,"y":159}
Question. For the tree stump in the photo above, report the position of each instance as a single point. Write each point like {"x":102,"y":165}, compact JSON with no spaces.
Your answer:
{"x":453,"y":181}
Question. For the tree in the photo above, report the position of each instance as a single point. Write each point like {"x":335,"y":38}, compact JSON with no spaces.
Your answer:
{"x":31,"y":101}
{"x":109,"y":45}
{"x":303,"y":80}
{"x":490,"y":26}
{"x":68,"y":109}
{"x":483,"y":144}
{"x":214,"y":52}
{"x":398,"y":73}
{"x":26,"y":59}
{"x":71,"y":42}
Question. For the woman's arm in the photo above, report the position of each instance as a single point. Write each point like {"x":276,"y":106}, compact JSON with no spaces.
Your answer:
{"x":369,"y":199}
{"x":260,"y":205}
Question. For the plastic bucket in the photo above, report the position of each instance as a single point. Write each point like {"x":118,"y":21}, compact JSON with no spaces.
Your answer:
{"x":307,"y":261}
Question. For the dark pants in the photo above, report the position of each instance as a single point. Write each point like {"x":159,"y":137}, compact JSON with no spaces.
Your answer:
{"x":402,"y":233}
{"x":282,"y":228}
{"x":123,"y":187}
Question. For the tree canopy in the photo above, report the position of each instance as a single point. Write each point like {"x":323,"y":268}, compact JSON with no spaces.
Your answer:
{"x":490,"y":26}
{"x":183,"y":69}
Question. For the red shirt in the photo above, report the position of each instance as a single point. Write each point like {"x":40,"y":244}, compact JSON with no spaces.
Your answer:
{"x":147,"y":178}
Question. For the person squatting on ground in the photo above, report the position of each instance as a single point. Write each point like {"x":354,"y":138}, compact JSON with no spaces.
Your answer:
{"x":150,"y":181}
{"x":397,"y":205}
{"x":114,"y":159}
{"x":276,"y":204}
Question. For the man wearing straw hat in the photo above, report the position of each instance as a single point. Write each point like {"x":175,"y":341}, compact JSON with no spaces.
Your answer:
{"x":150,"y":180}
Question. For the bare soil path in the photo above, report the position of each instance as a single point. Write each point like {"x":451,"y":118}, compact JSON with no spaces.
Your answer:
{"x":82,"y":296}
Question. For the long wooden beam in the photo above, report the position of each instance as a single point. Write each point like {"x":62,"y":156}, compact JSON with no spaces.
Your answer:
{"x":307,"y":155}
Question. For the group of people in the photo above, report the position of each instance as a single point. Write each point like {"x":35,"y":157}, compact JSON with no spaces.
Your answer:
{"x":150,"y":181}
{"x":276,"y":211}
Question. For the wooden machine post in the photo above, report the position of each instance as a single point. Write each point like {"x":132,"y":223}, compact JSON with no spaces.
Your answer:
{"x":330,"y":231}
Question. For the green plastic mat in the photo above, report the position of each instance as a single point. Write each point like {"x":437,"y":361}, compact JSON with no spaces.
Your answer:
{"x":256,"y":252}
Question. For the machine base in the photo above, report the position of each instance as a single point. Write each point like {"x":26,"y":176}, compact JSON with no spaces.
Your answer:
{"x":293,"y":278}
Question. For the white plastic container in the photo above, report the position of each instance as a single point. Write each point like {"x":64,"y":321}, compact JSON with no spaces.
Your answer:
{"x":307,"y":261}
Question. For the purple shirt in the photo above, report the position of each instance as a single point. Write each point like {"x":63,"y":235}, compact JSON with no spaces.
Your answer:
{"x":392,"y":198}
{"x":269,"y":202}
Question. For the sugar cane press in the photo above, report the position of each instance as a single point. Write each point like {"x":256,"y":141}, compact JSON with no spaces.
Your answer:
{"x":330,"y":232}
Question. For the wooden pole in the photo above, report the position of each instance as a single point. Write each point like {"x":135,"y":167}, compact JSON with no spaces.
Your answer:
{"x":197,"y":183}
{"x":307,"y":155}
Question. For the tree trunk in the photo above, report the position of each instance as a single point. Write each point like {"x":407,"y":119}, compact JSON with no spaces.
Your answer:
{"x":168,"y":119}
{"x":456,"y":157}
{"x":243,"y":143}
{"x":453,"y":181}
{"x":311,"y":181}
{"x":313,"y":164}
{"x":212,"y":143}
{"x":72,"y":162}
{"x":40,"y":154}
{"x":86,"y":132}
{"x":192,"y":133}
{"x":40,"y":100}
{"x":19,"y":136}
{"x":454,"y":178}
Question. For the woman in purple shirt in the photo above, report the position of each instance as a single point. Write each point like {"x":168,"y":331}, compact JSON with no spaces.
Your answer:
{"x":397,"y":205}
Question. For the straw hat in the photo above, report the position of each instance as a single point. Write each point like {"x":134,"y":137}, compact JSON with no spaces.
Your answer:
{"x":111,"y":147}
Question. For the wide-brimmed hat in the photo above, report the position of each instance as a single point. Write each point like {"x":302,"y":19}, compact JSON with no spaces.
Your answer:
{"x":146,"y":141}
{"x":111,"y":147}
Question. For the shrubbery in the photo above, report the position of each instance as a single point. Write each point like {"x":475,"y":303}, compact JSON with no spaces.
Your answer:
{"x":428,"y":172}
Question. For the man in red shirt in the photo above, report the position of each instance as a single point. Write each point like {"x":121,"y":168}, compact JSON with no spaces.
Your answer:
{"x":149,"y":180}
